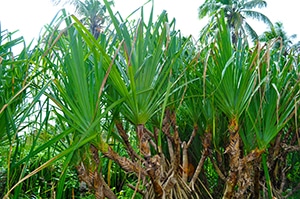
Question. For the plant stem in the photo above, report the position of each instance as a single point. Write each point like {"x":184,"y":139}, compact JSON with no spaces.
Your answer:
{"x":267,"y":175}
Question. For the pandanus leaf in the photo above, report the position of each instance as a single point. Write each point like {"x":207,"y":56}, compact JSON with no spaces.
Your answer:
{"x":274,"y":104}
{"x":231,"y":78}
{"x":144,"y":65}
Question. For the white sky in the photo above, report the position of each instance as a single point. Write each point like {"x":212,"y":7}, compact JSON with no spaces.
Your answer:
{"x":29,"y":16}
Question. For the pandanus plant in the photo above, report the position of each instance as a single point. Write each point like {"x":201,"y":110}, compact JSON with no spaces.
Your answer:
{"x":272,"y":108}
{"x":143,"y":80}
{"x":250,"y":88}
{"x":74,"y":78}
{"x":232,"y":81}
{"x":137,"y":84}
{"x":79,"y":68}
{"x":125,"y":77}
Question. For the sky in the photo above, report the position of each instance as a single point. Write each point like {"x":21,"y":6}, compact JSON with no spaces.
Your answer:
{"x":29,"y":16}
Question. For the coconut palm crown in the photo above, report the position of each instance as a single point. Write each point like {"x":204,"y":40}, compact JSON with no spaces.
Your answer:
{"x":236,"y":13}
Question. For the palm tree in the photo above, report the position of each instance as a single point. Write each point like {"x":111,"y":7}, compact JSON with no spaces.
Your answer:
{"x":236,"y":13}
{"x":92,"y":13}
{"x":75,"y":86}
{"x":280,"y":38}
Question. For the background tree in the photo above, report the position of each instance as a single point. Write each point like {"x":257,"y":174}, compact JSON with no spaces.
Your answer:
{"x":236,"y":13}
{"x":282,"y":41}
{"x":93,"y":13}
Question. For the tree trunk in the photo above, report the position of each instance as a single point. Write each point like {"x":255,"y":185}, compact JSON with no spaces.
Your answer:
{"x":91,"y":175}
{"x":185,"y":162}
{"x":206,"y":145}
{"x":233,"y":151}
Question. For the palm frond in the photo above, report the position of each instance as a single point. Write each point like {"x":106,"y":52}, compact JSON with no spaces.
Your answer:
{"x":255,"y":4}
{"x":252,"y":33}
{"x":208,"y":8}
{"x":258,"y":16}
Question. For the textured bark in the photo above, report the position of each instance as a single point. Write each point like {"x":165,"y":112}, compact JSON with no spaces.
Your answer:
{"x":175,"y":165}
{"x":205,"y":153}
{"x":154,"y":172}
{"x":152,"y":164}
{"x":246,"y":174}
{"x":124,"y":163}
{"x":166,"y":126}
{"x":166,"y":179}
{"x":176,"y":162}
{"x":133,"y":155}
{"x":233,"y":151}
{"x":151,"y":137}
{"x":91,"y":175}
{"x":217,"y":169}
{"x":143,"y":141}
{"x":256,"y":186}
{"x":171,"y":150}
{"x":185,"y":162}
{"x":170,"y":183}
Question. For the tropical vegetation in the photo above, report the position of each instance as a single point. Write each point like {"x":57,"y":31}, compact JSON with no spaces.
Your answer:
{"x":103,"y":107}
{"x":236,"y":13}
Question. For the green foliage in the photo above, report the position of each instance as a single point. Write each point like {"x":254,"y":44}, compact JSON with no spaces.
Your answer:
{"x":236,"y":13}
{"x":13,"y":77}
{"x":231,"y":75}
{"x":69,"y":92}
{"x":212,"y":176}
{"x":293,"y":175}
{"x":144,"y":65}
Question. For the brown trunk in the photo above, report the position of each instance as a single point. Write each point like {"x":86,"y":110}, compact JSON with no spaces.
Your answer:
{"x":154,"y":172}
{"x":176,"y":162}
{"x":256,"y":186}
{"x":143,"y":141}
{"x":158,"y":190}
{"x":152,"y":164}
{"x":97,"y":185}
{"x":91,"y":175}
{"x":246,"y":174}
{"x":167,"y":124}
{"x":205,"y":153}
{"x":233,"y":151}
{"x":185,"y":162}
{"x":166,"y":179}
{"x":171,"y":150}
{"x":123,"y":162}
{"x":133,"y":155}
{"x":170,"y":183}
